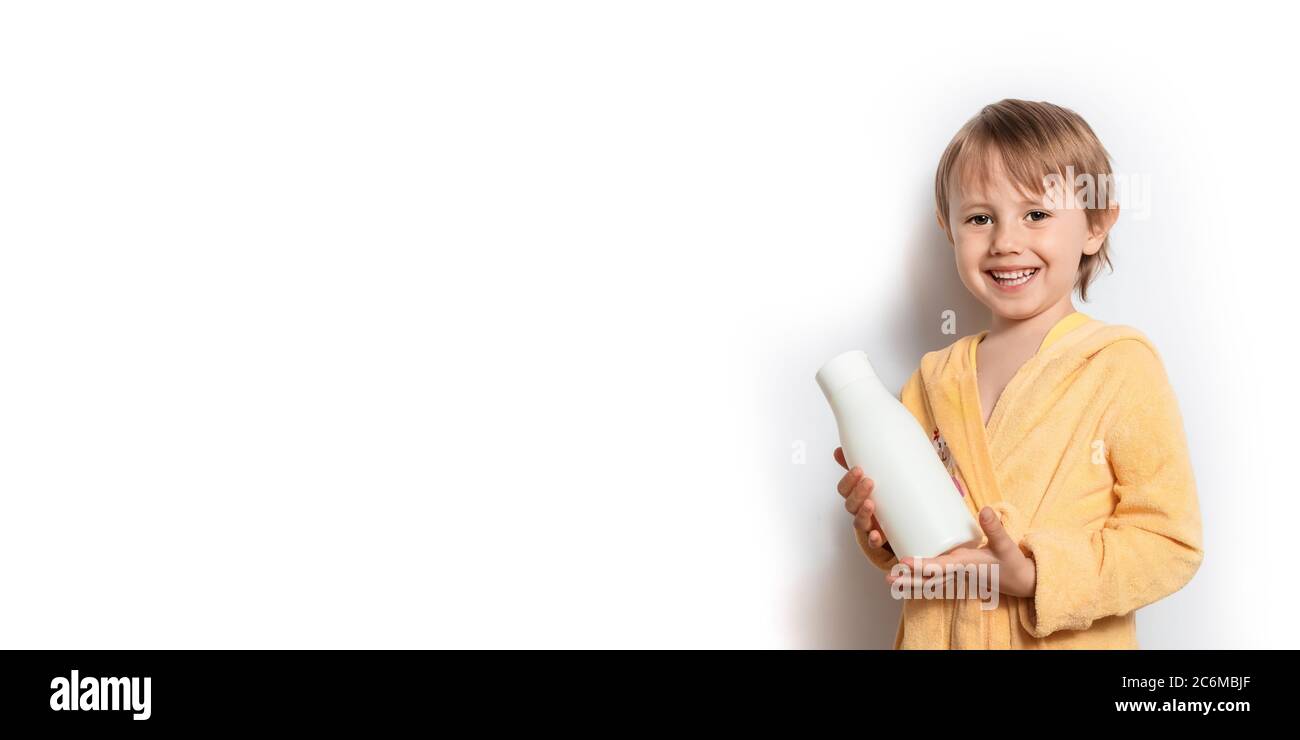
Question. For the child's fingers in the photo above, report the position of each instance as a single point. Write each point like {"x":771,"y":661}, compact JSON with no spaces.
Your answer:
{"x":927,"y":571}
{"x":945,"y":585}
{"x":865,"y":517}
{"x":959,"y":556}
{"x":876,"y":539}
{"x":839,"y":458}
{"x":865,"y":521}
{"x":861,"y":490}
{"x":862,"y":519}
{"x":999,"y":541}
{"x":848,"y":481}
{"x":912,"y":579}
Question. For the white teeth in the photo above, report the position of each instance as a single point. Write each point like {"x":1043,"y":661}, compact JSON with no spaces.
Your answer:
{"x":1012,"y":275}
{"x":1018,"y":277}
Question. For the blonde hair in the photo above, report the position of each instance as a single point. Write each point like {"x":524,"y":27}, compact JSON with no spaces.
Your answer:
{"x":1032,"y":141}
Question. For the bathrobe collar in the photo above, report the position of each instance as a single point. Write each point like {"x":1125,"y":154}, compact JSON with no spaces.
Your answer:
{"x":949,"y":379}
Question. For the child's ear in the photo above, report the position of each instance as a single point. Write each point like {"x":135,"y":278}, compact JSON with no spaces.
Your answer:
{"x":939,"y":220}
{"x":1097,"y":237}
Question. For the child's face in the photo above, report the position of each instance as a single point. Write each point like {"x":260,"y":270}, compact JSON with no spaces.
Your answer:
{"x":1005,"y":229}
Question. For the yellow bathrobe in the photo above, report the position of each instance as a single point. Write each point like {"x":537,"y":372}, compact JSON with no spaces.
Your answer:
{"x":1085,"y":460}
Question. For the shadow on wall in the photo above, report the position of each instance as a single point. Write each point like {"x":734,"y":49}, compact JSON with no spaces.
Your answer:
{"x":850,"y":607}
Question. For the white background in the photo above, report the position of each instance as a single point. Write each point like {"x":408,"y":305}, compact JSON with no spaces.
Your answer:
{"x":330,"y":324}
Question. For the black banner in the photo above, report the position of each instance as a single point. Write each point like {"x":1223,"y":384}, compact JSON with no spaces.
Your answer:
{"x":137,"y":691}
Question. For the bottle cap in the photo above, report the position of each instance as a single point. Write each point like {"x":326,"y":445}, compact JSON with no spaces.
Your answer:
{"x":844,"y":369}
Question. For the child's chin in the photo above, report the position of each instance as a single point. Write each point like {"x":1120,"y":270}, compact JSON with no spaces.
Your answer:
{"x":1018,"y":306}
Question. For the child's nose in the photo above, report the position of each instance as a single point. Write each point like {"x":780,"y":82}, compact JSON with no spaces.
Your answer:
{"x":1006,"y":241}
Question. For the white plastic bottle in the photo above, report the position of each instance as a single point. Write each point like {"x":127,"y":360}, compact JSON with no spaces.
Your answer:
{"x":917,"y":502}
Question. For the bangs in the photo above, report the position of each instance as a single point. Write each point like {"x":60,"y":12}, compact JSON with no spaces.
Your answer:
{"x":985,"y":155}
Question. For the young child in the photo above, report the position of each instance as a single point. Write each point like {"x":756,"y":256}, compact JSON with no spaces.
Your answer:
{"x":1062,"y":432}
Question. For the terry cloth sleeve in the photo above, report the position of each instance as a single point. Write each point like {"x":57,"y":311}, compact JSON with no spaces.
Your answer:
{"x":913,"y":397}
{"x":1151,"y":544}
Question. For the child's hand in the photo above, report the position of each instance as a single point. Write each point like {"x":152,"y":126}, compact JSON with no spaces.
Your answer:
{"x":856,"y":489}
{"x":1017,"y":574}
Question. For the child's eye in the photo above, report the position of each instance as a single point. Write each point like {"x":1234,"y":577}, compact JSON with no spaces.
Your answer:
{"x":1040,"y":213}
{"x":978,"y":215}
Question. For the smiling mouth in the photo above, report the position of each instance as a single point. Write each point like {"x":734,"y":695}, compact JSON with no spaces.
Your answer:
{"x":1012,"y":278}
